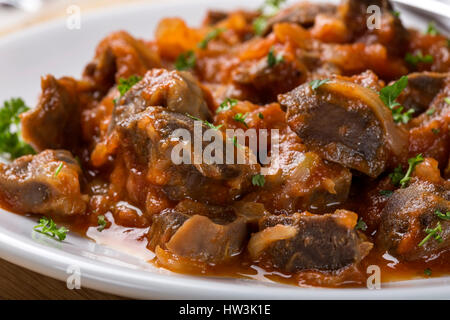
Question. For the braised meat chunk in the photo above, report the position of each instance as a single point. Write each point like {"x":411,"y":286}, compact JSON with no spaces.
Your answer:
{"x":148,"y":140}
{"x":55,"y":122}
{"x":359,"y":132}
{"x":192,"y":230}
{"x":306,"y":241}
{"x":414,"y":222}
{"x":47,"y":183}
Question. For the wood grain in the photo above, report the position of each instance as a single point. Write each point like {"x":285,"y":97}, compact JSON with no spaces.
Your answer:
{"x":21,"y":284}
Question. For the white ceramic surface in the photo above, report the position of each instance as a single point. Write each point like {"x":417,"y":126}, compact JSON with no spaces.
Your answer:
{"x":52,"y":48}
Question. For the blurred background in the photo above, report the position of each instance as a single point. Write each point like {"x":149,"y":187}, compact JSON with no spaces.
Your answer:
{"x":17,"y":14}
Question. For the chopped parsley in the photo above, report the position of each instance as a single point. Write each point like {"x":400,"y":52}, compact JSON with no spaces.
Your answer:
{"x":239,"y":117}
{"x":435,"y":233}
{"x":273,"y":60}
{"x":58,"y":169}
{"x":185,"y":60}
{"x":126,"y":84}
{"x":227,"y":104}
{"x":386,"y":193}
{"x":431,"y":29}
{"x":395,"y":13}
{"x":388,"y":95}
{"x":268,"y":9}
{"x":431,"y":111}
{"x":210,"y":36}
{"x":258,"y":180}
{"x":427,"y":272}
{"x":414,"y":59}
{"x":397,"y":175}
{"x":412,"y":162}
{"x":48,"y":227}
{"x":206,"y":123}
{"x":361,"y":225}
{"x":435,"y":130}
{"x":11,"y":143}
{"x":101,"y":221}
{"x":317,"y":83}
{"x":443,"y":216}
{"x":260,"y":115}
{"x":447,"y":100}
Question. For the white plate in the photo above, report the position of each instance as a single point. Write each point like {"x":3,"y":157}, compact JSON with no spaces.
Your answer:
{"x":52,"y":48}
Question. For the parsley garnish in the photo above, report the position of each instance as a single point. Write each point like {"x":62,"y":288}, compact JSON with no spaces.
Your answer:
{"x":431,"y":29}
{"x":443,"y":216}
{"x":48,"y":227}
{"x":447,"y":100}
{"x":185,"y":60}
{"x":395,"y":13}
{"x":386,"y":193}
{"x":317,"y":83}
{"x":239,"y":117}
{"x":206,"y":123}
{"x":210,"y":36}
{"x":388,"y":95}
{"x":58,"y":169}
{"x":258,"y":180}
{"x":11,"y":143}
{"x":435,"y":130}
{"x":414,"y":59}
{"x":427,"y":272}
{"x":435,"y":233}
{"x":412,"y":162}
{"x":126,"y":84}
{"x":101,"y":221}
{"x":260,"y":115}
{"x":227,"y":104}
{"x":268,"y":9}
{"x":431,"y":111}
{"x":273,"y":60}
{"x":397,"y":175}
{"x":361,"y":225}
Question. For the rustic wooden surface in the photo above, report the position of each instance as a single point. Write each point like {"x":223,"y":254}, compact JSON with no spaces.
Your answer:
{"x":19,"y":283}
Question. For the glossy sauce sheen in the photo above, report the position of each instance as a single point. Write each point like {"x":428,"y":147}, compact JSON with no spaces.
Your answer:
{"x":127,"y":179}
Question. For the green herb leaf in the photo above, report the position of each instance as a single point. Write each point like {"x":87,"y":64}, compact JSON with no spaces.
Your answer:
{"x":258,"y":180}
{"x":48,"y":227}
{"x":431,"y":29}
{"x":206,"y":123}
{"x":435,"y":130}
{"x":126,"y":84}
{"x":361,"y":225}
{"x":397,"y":175}
{"x":386,"y":193}
{"x":412,"y":162}
{"x":414,"y":59}
{"x":317,"y":83}
{"x":435,"y":233}
{"x":239,"y":117}
{"x":185,"y":60}
{"x":101,"y":221}
{"x":427,"y":272}
{"x":260,"y":115}
{"x":273,"y":60}
{"x":210,"y":36}
{"x":259,"y":25}
{"x":388,"y":95}
{"x":58,"y":169}
{"x":431,"y":111}
{"x":11,"y":144}
{"x":227,"y":104}
{"x":443,"y":216}
{"x":447,"y":100}
{"x":395,"y":13}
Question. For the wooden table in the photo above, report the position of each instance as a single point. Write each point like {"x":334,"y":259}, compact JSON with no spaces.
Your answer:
{"x":20,"y":283}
